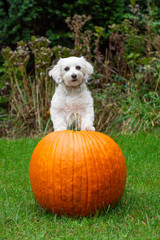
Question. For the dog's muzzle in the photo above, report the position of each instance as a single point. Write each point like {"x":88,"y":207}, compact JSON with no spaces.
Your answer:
{"x":74,"y":77}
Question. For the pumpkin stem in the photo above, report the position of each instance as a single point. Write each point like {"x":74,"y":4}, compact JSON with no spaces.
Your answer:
{"x":74,"y":122}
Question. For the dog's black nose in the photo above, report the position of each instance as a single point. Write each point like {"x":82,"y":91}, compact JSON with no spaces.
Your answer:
{"x":74,"y":76}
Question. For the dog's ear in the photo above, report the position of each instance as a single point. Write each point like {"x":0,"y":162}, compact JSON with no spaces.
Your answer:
{"x":55,"y":73}
{"x":88,"y":68}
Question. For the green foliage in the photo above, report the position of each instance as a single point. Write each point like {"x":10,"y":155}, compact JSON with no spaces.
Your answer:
{"x":22,"y":19}
{"x":133,"y":73}
{"x":31,"y":93}
{"x":126,"y":81}
{"x":136,"y":113}
{"x":141,"y":35}
{"x":4,"y":93}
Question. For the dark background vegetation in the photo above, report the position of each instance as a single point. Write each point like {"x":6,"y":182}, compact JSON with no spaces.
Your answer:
{"x":22,"y":19}
{"x":125,"y":53}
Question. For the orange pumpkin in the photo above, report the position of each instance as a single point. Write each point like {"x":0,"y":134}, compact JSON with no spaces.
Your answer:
{"x":77,"y":172}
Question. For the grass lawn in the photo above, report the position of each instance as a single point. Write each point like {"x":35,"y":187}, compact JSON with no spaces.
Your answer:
{"x":137,"y":216}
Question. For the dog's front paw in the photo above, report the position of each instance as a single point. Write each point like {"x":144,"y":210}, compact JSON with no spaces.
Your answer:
{"x":88,"y":128}
{"x":59,"y":129}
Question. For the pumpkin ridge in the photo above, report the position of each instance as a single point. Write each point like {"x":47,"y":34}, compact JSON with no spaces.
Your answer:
{"x":99,"y":142}
{"x":78,"y":136}
{"x":101,"y":155}
{"x":63,"y":193}
{"x":102,"y":145}
{"x":47,"y":185}
{"x":73,"y":173}
{"x":55,"y":142}
{"x":112,"y":194}
{"x":38,"y":152}
{"x":40,"y":166}
{"x":119,"y":173}
{"x":57,"y":172}
{"x":70,"y":139}
{"x":115,"y":146}
{"x":86,"y":168}
{"x":90,"y":143}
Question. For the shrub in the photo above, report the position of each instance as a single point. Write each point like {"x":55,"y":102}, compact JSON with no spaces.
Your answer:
{"x":31,"y":93}
{"x":125,"y":84}
{"x":22,"y":19}
{"x":132,"y":68}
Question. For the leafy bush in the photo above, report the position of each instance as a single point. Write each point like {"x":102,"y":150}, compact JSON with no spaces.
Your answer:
{"x":22,"y":19}
{"x":126,"y":82}
{"x":132,"y":68}
{"x":31,"y":94}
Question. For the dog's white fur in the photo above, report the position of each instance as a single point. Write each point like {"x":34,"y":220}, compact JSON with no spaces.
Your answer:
{"x":71,"y":95}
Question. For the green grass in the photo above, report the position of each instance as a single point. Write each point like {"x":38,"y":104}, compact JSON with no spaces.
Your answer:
{"x":137,"y":215}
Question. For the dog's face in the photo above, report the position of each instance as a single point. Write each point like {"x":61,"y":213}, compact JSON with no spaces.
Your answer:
{"x":72,"y":71}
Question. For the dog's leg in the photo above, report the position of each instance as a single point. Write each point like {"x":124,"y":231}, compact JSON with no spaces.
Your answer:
{"x":87,"y":119}
{"x":59,"y":120}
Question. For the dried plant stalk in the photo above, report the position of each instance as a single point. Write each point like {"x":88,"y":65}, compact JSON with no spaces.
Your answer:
{"x":74,"y":122}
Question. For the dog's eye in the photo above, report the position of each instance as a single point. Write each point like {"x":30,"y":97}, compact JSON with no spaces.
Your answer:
{"x":66,"y":69}
{"x":78,"y":67}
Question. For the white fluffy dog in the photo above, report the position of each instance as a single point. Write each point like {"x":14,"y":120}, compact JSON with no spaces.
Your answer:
{"x":71,"y":95}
